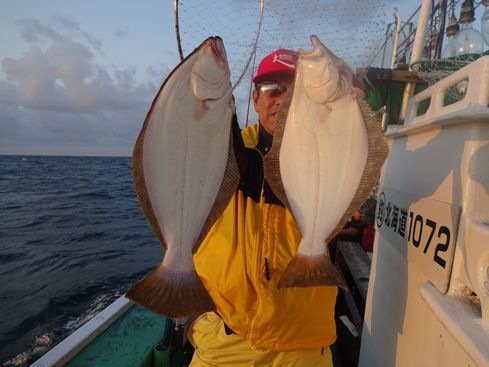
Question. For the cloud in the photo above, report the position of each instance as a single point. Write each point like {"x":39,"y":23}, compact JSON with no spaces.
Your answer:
{"x":57,"y":95}
{"x":120,"y":33}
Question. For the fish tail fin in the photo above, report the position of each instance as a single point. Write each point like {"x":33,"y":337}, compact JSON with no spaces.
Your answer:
{"x":311,"y":271}
{"x":173,"y":295}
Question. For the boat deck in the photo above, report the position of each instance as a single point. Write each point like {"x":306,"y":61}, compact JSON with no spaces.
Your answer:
{"x":136,"y":339}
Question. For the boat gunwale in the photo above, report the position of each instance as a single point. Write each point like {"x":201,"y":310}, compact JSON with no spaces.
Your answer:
{"x":69,"y":347}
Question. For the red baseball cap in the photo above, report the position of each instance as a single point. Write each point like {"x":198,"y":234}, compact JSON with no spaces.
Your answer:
{"x":279,"y":61}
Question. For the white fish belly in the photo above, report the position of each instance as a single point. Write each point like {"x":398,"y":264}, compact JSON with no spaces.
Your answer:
{"x":322,"y":158}
{"x":184,"y":165}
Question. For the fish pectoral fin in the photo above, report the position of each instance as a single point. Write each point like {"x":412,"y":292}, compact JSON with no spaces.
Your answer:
{"x":311,"y":271}
{"x":325,"y":112}
{"x":200,"y":110}
{"x":170,"y":294}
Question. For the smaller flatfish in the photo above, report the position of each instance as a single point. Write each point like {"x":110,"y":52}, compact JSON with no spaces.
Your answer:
{"x":325,"y":159}
{"x":185,"y":173}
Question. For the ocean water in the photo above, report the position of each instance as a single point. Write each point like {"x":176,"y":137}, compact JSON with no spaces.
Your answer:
{"x":72,"y":240}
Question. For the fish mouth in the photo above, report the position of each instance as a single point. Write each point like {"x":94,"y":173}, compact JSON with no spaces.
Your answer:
{"x":316,"y":52}
{"x":217,"y":49}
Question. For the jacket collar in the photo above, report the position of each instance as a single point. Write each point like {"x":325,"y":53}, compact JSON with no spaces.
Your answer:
{"x":264,"y":140}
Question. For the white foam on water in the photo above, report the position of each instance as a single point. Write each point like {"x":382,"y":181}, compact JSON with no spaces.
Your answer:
{"x":43,"y":343}
{"x":96,"y":307}
{"x":40,"y":345}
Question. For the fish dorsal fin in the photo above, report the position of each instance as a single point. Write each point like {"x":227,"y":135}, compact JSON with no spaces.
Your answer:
{"x":229,"y":185}
{"x":271,"y":162}
{"x":377,"y":153}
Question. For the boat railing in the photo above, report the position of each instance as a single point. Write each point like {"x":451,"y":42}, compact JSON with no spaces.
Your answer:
{"x":418,"y":49}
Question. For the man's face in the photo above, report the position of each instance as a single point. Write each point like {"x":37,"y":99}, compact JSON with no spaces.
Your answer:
{"x":268,"y":97}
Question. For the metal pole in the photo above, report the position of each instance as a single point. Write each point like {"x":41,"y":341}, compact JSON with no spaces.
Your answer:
{"x":177,"y":29}
{"x":397,"y":15}
{"x":416,"y":54}
{"x":385,"y":119}
{"x":439,"y":40}
{"x":385,"y":45}
{"x":421,"y":31}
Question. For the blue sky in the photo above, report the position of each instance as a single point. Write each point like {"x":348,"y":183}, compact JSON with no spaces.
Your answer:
{"x":129,"y":32}
{"x":77,"y":77}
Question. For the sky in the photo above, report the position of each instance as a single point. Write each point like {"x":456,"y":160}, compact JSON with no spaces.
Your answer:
{"x":78,"y":77}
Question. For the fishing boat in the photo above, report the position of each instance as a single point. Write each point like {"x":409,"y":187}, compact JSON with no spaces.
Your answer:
{"x":428,"y":294}
{"x":422,"y":298}
{"x":123,"y":334}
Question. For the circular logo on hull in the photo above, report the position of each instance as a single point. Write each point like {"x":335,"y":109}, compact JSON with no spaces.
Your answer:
{"x":379,"y":218}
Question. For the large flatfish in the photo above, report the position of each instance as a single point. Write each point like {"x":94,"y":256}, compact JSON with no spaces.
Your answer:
{"x":185,"y":173}
{"x":325,"y":159}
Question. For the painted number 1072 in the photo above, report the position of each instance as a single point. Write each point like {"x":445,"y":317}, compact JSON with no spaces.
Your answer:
{"x":432,"y":233}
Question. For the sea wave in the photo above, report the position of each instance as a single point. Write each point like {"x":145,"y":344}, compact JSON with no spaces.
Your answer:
{"x":42,"y":343}
{"x":72,"y":239}
{"x":92,"y":195}
{"x":40,"y":346}
{"x":11,"y":257}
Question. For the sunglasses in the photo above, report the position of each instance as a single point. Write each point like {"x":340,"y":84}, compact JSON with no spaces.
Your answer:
{"x":272,"y":89}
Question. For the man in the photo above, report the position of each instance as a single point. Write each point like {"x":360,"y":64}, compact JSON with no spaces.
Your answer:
{"x":245,"y":253}
{"x":352,"y":231}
